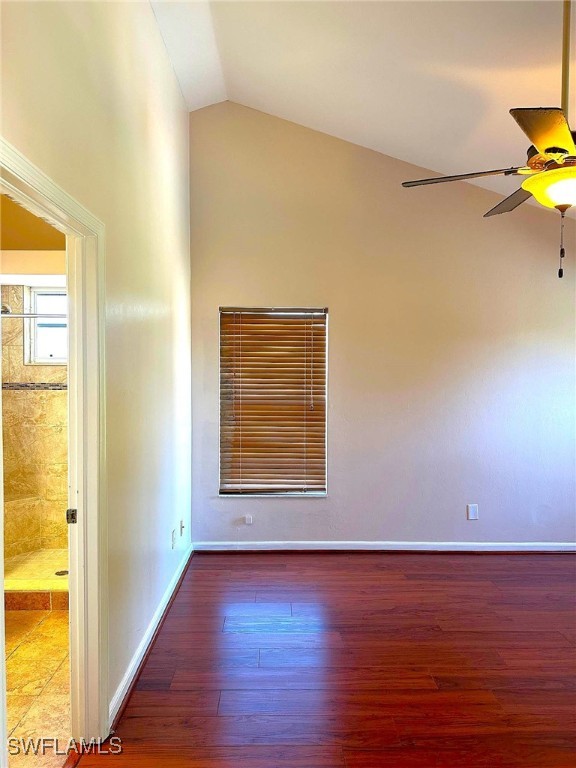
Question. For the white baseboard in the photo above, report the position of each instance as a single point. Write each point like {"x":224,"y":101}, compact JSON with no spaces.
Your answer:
{"x":135,"y":661}
{"x":424,"y":546}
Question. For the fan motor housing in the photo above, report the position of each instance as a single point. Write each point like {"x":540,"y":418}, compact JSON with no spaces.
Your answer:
{"x":539,"y":162}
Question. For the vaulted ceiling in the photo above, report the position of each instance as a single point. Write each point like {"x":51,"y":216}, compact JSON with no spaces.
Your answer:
{"x":429,"y":82}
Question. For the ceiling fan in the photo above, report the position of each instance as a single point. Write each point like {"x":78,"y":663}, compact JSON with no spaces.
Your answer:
{"x":550,"y":170}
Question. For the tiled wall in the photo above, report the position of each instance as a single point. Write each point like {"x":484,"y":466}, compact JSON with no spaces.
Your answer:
{"x":35,"y":444}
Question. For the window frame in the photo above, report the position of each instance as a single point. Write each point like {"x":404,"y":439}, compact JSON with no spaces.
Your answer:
{"x":301,"y":494}
{"x":31,"y":324}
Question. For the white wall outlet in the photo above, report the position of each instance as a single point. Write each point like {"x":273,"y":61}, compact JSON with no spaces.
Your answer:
{"x":181,"y":527}
{"x":472,"y":511}
{"x":248,"y":519}
{"x":173,"y":538}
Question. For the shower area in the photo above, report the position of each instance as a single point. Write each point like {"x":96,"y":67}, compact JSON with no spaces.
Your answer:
{"x":34,"y":418}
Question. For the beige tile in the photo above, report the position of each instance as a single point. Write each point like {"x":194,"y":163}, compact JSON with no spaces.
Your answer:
{"x":34,"y":446}
{"x":57,"y":556}
{"x":51,"y":443}
{"x":54,"y":535}
{"x":21,"y":479}
{"x":55,"y":622}
{"x":50,"y":542}
{"x":21,"y":547}
{"x":60,"y":600}
{"x":33,"y":600}
{"x":49,"y":718}
{"x":15,"y":545}
{"x":19,"y":624}
{"x":22,"y":514}
{"x":15,"y":298}
{"x":42,"y":563}
{"x":29,"y":676}
{"x":49,"y":715}
{"x":25,"y":407}
{"x":35,"y":406}
{"x":14,"y":441}
{"x":22,"y":525}
{"x":18,"y":706}
{"x":59,"y":683}
{"x":54,"y":481}
{"x":38,"y":683}
{"x":12,"y":562}
{"x":16,"y":364}
{"x":56,"y":407}
{"x":49,"y":760}
{"x":44,"y":585}
{"x":6,"y":369}
{"x":35,"y":464}
{"x":26,"y":566}
{"x":53,"y":522}
{"x":58,"y":584}
{"x":36,"y":572}
{"x":24,"y":372}
{"x":12,"y":331}
{"x":38,"y":646}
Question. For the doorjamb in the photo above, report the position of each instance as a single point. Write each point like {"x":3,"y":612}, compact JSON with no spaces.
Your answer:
{"x":30,"y":187}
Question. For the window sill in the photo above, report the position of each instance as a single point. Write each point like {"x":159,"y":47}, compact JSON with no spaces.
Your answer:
{"x":287,"y":495}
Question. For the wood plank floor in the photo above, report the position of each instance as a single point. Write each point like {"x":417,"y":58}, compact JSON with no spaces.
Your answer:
{"x":360,"y":660}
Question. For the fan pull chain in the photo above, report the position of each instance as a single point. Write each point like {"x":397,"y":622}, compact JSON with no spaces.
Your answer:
{"x":562,"y":250}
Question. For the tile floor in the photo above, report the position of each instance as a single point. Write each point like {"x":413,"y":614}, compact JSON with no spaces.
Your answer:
{"x":36,"y":571}
{"x":38,"y":681}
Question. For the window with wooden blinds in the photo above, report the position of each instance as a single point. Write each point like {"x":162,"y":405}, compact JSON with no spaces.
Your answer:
{"x":273,"y":401}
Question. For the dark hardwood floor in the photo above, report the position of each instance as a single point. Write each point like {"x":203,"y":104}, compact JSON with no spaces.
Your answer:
{"x":360,"y":660}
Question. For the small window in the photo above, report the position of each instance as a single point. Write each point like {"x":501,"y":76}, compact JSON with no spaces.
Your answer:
{"x":273,"y":401}
{"x":46,"y":336}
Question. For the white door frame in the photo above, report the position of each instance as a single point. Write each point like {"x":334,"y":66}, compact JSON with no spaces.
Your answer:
{"x":30,"y":187}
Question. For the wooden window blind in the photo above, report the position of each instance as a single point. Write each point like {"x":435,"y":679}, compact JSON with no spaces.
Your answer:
{"x":272,"y":401}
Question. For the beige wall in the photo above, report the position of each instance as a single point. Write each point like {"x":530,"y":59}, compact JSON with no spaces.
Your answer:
{"x":19,"y":229}
{"x":89,"y":95}
{"x":30,"y":262}
{"x":451,"y":344}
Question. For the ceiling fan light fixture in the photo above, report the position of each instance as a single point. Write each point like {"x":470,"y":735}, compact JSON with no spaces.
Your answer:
{"x":553,"y":189}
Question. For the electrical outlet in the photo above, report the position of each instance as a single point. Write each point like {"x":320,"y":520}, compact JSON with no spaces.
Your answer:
{"x":173,"y":538}
{"x":472,"y":511}
{"x":248,"y":519}
{"x":181,"y":527}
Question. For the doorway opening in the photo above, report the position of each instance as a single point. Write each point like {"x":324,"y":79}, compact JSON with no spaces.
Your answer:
{"x":67,"y":301}
{"x":34,"y":335}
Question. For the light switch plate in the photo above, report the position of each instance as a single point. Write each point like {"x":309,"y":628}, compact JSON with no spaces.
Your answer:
{"x":472,"y":511}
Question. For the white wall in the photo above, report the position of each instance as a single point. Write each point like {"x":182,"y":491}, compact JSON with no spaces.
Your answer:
{"x":89,"y":95}
{"x":451,"y":353}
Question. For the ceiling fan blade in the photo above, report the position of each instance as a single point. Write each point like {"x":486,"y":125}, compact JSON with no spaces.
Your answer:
{"x":462,"y":176}
{"x":510,"y":202}
{"x":546,"y":127}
